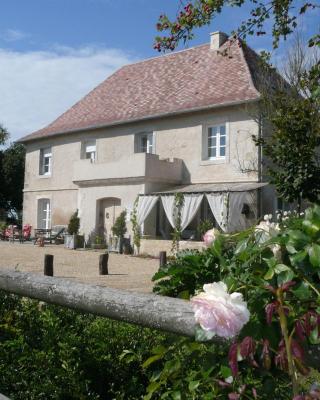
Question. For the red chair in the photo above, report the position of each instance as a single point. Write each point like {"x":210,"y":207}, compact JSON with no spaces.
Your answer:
{"x":26,"y":232}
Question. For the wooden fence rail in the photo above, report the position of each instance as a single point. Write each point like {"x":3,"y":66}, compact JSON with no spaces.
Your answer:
{"x":149,"y":310}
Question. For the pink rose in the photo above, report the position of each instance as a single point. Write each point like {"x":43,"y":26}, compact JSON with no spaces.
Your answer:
{"x":210,"y":236}
{"x":219,"y":312}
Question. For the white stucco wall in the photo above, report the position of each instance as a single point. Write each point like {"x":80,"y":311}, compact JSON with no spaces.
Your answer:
{"x":174,"y":137}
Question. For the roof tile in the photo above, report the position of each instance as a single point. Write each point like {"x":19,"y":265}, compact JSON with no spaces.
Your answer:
{"x":190,"y":79}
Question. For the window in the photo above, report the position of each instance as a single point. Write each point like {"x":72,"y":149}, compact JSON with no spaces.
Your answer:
{"x":44,"y":214}
{"x":89,"y":150}
{"x":144,"y":143}
{"x":45,"y":161}
{"x":216,"y":142}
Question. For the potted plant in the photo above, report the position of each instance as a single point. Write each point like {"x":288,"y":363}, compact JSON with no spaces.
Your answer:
{"x":98,"y":243}
{"x":73,"y":240}
{"x":119,"y":229}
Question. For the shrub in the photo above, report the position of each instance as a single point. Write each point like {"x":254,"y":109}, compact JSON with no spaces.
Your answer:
{"x":49,"y":352}
{"x":276,"y":267}
{"x":119,"y":228}
{"x":74,"y":224}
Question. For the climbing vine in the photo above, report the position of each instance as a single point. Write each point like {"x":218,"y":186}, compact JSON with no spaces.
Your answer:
{"x":176,"y":236}
{"x":135,"y":226}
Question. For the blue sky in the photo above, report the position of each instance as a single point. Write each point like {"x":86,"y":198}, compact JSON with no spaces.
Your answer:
{"x":52,"y":52}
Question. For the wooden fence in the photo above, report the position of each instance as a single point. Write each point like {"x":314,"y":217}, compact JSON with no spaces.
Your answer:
{"x":149,"y":310}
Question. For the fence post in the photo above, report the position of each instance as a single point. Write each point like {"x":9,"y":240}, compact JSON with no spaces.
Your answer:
{"x":48,"y":264}
{"x":163,"y":258}
{"x":103,"y":264}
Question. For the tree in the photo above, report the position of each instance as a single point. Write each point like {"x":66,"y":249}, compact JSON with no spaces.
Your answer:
{"x":282,"y":14}
{"x":119,"y":228}
{"x":3,"y":135}
{"x":74,"y":224}
{"x":292,"y":148}
{"x":12,"y":177}
{"x":294,"y":114}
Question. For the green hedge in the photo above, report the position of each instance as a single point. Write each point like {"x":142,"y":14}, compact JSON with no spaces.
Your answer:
{"x":49,"y":352}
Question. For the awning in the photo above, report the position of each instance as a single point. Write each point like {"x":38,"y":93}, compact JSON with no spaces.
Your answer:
{"x":214,"y":187}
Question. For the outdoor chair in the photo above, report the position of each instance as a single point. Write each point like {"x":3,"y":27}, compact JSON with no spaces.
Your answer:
{"x":12,"y":232}
{"x":26,"y":232}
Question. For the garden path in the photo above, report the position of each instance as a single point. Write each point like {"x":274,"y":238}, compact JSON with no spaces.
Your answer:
{"x":125,"y":272}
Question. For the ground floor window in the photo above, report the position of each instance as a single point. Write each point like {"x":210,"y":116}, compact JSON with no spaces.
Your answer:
{"x":44,"y":214}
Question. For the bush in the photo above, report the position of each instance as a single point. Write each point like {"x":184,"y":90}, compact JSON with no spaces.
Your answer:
{"x":74,"y":224}
{"x":276,"y":267}
{"x":119,"y":228}
{"x":49,"y":352}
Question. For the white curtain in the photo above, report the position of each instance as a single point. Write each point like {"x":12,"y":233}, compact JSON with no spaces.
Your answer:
{"x":145,"y":205}
{"x":238,"y":221}
{"x":191,"y":205}
{"x":168,"y":205}
{"x":218,"y":203}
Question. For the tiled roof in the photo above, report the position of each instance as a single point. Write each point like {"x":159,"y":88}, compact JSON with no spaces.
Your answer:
{"x":192,"y":79}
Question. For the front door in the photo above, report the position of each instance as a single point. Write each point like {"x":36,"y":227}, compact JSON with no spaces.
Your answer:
{"x":110,"y":209}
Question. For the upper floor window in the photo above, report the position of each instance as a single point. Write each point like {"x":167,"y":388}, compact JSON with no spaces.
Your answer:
{"x":45,"y":166}
{"x":144,"y":143}
{"x":216,"y":144}
{"x":89,"y":150}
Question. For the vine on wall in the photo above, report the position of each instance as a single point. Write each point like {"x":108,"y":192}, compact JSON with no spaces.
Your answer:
{"x":176,"y":236}
{"x":135,"y":227}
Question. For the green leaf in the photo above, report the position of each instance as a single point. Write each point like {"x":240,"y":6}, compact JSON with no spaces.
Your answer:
{"x":154,"y":386}
{"x":302,"y":292}
{"x":298,"y":239}
{"x":151,"y":360}
{"x":225,"y":371}
{"x":285,"y":276}
{"x":203,"y":336}
{"x":314,"y":255}
{"x":281,"y":268}
{"x":314,"y":337}
{"x":311,"y":227}
{"x":176,"y":395}
{"x":193,"y":385}
{"x":269,"y":274}
{"x":298,"y":259}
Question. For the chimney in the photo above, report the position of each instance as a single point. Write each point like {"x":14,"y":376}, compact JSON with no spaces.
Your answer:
{"x":217,"y":39}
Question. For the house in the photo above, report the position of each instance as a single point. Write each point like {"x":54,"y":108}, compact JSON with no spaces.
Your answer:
{"x":178,"y":123}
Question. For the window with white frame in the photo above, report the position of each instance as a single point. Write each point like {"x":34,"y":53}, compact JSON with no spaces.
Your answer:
{"x":89,"y":150}
{"x":216,"y":144}
{"x":45,"y":166}
{"x":144,"y":143}
{"x":44,"y":214}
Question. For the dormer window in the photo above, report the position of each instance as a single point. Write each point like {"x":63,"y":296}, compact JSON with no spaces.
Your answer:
{"x":89,"y":150}
{"x":144,"y":143}
{"x":45,"y":166}
{"x":216,"y":142}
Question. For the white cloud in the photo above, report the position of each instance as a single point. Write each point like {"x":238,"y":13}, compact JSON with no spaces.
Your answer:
{"x":37,"y":86}
{"x":13,"y":35}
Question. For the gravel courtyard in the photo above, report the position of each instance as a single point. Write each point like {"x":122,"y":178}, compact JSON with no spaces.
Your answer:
{"x":125,"y":272}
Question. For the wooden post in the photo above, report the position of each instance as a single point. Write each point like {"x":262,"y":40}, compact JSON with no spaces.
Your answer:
{"x":48,"y":264}
{"x":103,"y":264}
{"x":163,"y":258}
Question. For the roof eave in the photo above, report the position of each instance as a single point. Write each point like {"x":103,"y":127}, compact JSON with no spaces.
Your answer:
{"x":140,"y":119}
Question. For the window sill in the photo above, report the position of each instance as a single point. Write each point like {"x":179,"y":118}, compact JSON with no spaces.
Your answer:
{"x":214,"y":161}
{"x":44,"y":176}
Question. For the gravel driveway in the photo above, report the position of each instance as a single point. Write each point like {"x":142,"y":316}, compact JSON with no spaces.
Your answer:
{"x":125,"y":272}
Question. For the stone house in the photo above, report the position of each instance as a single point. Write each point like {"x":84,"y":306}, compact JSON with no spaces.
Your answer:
{"x":181,"y":122}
